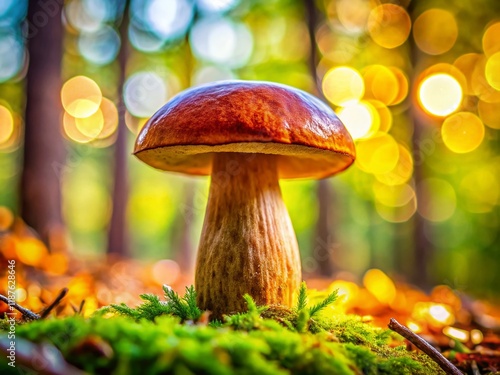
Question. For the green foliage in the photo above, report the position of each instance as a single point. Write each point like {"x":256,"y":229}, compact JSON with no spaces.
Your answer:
{"x":331,"y":298}
{"x":185,"y":308}
{"x":302,"y":298}
{"x":264,"y":340}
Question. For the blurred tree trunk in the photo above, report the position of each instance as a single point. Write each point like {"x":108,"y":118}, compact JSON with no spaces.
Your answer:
{"x":118,"y":234}
{"x":182,"y":236}
{"x":44,"y":152}
{"x":324,"y":235}
{"x":423,"y":248}
{"x":182,"y":243}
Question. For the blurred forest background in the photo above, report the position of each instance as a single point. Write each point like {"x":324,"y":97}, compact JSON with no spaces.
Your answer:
{"x":417,"y":83}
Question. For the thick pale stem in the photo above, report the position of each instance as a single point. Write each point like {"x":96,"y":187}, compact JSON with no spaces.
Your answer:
{"x":248,"y":244}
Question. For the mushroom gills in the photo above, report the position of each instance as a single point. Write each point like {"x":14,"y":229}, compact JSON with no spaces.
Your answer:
{"x":248,"y":244}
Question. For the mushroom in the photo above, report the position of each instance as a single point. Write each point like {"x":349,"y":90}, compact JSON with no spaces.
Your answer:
{"x":246,"y":135}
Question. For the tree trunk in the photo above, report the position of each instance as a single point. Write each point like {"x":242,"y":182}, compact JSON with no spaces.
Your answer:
{"x":323,"y":241}
{"x":423,"y":248}
{"x":118,"y":236}
{"x":44,"y":152}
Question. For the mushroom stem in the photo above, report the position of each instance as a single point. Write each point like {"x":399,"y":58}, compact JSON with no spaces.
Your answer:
{"x":247,"y":244}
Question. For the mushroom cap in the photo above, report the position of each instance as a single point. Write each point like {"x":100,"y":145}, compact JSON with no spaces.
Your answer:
{"x":246,"y":117}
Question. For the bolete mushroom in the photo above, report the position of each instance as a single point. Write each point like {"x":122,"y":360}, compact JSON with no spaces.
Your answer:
{"x":246,"y":135}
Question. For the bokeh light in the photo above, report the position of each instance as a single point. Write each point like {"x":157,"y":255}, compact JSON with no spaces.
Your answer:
{"x":398,"y":214}
{"x":403,"y":85}
{"x":389,"y":25}
{"x":166,"y":20}
{"x":492,"y":71}
{"x":343,"y":84}
{"x":12,"y":52}
{"x":380,"y":285}
{"x":440,"y":94}
{"x":81,"y":96}
{"x":222,"y":41}
{"x":6,"y":218}
{"x":491,"y":42}
{"x":489,"y":113}
{"x":380,"y":83}
{"x":462,"y":132}
{"x":383,"y":118}
{"x":438,"y":201}
{"x":360,"y":118}
{"x":211,"y":73}
{"x":6,"y":124}
{"x":92,"y":125}
{"x":352,"y":14}
{"x":435,"y":31}
{"x":480,"y":189}
{"x":402,"y":171}
{"x":377,"y":154}
{"x":166,"y":271}
{"x":393,"y":195}
{"x":467,"y":64}
{"x":110,"y":118}
{"x":144,"y":93}
{"x":100,"y":47}
{"x":216,"y":6}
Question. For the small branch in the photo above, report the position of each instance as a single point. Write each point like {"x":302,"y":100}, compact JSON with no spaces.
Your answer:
{"x":424,"y":346}
{"x":27,"y":314}
{"x":56,"y":302}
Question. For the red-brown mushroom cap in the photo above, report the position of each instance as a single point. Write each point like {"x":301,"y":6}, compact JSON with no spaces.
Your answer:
{"x":246,"y":117}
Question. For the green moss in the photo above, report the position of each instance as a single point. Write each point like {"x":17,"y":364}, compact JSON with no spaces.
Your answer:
{"x":169,"y":337}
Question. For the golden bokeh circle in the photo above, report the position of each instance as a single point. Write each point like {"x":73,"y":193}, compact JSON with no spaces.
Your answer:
{"x":389,"y":25}
{"x":492,"y":70}
{"x":491,"y":41}
{"x":435,"y":31}
{"x":462,"y":132}
{"x":377,"y":154}
{"x":489,"y":113}
{"x":81,"y":96}
{"x":380,"y":83}
{"x":343,"y":84}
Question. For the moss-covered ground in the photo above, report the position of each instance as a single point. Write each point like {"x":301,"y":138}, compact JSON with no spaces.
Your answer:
{"x":172,"y":336}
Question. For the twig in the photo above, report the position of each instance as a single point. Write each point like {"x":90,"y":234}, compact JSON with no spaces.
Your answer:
{"x":27,"y":314}
{"x":424,"y":346}
{"x":56,"y":302}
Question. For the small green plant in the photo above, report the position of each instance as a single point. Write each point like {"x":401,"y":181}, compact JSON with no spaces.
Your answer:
{"x":184,"y":308}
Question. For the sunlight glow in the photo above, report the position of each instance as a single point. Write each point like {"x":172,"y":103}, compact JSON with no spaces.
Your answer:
{"x":440,"y":94}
